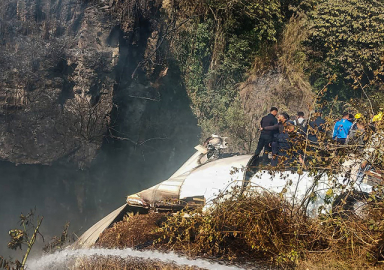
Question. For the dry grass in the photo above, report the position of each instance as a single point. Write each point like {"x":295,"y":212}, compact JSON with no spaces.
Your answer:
{"x":252,"y":228}
{"x":97,"y":263}
{"x":326,"y":262}
{"x":136,"y":231}
{"x":263,"y":226}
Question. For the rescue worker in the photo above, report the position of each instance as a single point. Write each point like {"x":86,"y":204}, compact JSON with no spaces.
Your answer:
{"x":300,"y":121}
{"x":279,"y":127}
{"x":356,"y":133}
{"x":266,"y":136}
{"x":373,"y":153}
{"x":278,"y":130}
{"x":341,"y":129}
{"x":351,"y":118}
{"x":282,"y":144}
{"x":315,"y":126}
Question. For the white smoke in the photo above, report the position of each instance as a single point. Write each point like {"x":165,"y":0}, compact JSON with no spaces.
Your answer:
{"x":65,"y":258}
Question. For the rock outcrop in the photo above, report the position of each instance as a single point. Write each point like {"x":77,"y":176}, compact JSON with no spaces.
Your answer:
{"x":57,"y":80}
{"x":73,"y":72}
{"x":273,"y":88}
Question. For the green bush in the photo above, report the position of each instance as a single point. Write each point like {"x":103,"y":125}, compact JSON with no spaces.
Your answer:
{"x":347,"y":37}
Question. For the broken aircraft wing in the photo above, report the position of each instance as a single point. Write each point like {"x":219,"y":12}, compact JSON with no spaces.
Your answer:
{"x":89,"y":238}
{"x":195,"y":183}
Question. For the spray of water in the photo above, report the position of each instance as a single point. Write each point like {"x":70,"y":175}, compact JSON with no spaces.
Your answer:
{"x":60,"y":260}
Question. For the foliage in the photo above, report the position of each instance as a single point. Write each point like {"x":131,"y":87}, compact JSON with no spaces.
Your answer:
{"x":247,"y":223}
{"x":57,"y":243}
{"x":292,"y":57}
{"x":134,"y":231}
{"x":264,"y":226}
{"x":240,"y":125}
{"x":250,"y":224}
{"x":347,"y":39}
{"x":26,"y":237}
{"x":9,"y":265}
{"x":215,"y":44}
{"x":215,"y":48}
{"x":23,"y":237}
{"x":255,"y":225}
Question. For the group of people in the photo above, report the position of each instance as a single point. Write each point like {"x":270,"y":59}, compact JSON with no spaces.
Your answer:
{"x":275,"y":134}
{"x":347,"y":128}
{"x":279,"y":132}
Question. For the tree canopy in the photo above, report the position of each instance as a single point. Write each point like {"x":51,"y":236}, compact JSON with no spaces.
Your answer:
{"x":346,"y":38}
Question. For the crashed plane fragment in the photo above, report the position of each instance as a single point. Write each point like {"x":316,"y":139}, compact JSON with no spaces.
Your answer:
{"x":207,"y":174}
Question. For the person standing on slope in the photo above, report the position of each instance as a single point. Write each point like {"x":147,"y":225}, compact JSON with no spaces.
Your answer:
{"x":341,"y":129}
{"x":315,"y":126}
{"x":266,"y":136}
{"x":281,"y":141}
{"x":300,"y":121}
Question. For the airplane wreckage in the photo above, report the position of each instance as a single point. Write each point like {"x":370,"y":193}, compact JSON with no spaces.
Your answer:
{"x":207,"y":174}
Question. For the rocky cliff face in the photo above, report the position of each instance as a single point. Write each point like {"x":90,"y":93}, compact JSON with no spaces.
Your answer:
{"x":73,"y":72}
{"x":80,"y":89}
{"x":56,"y":80}
{"x":71,"y":75}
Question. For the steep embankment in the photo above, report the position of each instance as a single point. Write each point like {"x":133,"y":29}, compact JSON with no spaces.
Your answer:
{"x":71,"y":76}
{"x":74,"y":65}
{"x":231,"y":56}
{"x":56,"y":81}
{"x":65,"y":64}
{"x":75,"y":71}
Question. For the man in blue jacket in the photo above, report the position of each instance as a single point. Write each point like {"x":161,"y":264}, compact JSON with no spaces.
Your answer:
{"x":341,"y":129}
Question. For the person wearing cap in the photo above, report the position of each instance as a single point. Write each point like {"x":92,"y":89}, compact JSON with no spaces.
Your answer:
{"x":341,"y":129}
{"x":266,"y":136}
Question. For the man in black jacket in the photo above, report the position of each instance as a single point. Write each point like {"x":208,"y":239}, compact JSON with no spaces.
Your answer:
{"x":281,"y":142}
{"x":282,"y":121}
{"x":266,"y":136}
{"x":316,"y":125}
